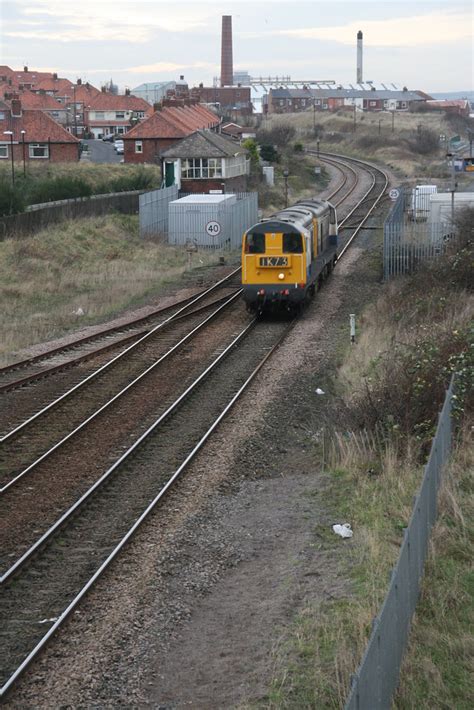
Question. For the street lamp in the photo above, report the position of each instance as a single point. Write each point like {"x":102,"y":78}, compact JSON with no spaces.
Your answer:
{"x":286,"y":173}
{"x":23,"y":147}
{"x":380,"y":123}
{"x":10,"y":133}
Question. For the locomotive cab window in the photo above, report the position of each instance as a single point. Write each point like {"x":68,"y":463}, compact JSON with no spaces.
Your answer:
{"x":255,"y":243}
{"x":292,"y":243}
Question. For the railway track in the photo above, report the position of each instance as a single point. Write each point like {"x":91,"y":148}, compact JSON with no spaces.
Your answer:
{"x":45,"y":583}
{"x":54,"y":360}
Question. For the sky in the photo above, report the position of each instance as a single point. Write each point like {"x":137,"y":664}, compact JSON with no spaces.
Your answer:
{"x":420,"y":44}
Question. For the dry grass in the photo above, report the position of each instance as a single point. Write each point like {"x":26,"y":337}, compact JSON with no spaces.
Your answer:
{"x":99,"y":265}
{"x":388,"y":147}
{"x":438,"y":670}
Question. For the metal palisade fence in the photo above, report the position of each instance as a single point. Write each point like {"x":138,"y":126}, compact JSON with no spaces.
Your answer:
{"x":153,"y":211}
{"x":376,"y":679}
{"x":213,"y":226}
{"x":410,"y":239}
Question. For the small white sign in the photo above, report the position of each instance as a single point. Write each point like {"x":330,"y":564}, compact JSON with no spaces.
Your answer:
{"x":213,"y":229}
{"x":394,"y":194}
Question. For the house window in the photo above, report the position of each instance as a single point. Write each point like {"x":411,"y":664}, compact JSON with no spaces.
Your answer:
{"x":140,"y":114}
{"x":138,"y":147}
{"x":38,"y":150}
{"x":55,"y":114}
{"x":3,"y":150}
{"x":373,"y":103}
{"x":2,"y":115}
{"x":120,"y":114}
{"x":201,"y":168}
{"x":99,"y":115}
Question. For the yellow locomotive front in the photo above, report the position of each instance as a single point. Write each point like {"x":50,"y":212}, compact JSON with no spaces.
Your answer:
{"x":273,"y":267}
{"x":286,"y":256}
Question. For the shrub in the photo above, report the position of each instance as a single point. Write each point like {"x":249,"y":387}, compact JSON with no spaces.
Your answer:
{"x":280,"y":135}
{"x":298,"y":147}
{"x":268,"y":152}
{"x":59,"y":188}
{"x":425,"y":142}
{"x":12,"y":199}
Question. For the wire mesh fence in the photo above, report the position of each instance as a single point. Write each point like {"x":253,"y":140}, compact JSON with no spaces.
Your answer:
{"x":412,"y":237}
{"x":376,"y":679}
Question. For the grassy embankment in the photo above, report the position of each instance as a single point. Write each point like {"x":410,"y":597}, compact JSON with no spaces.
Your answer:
{"x":99,"y":265}
{"x":408,"y":143}
{"x":392,"y":386}
{"x":46,"y":182}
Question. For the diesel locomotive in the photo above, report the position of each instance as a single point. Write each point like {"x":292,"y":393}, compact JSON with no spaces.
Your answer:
{"x":287,"y":256}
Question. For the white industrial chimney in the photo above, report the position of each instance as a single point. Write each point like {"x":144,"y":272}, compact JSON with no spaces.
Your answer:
{"x":359,"y":57}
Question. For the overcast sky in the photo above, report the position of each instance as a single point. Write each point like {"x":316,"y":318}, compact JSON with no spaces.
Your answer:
{"x":421,"y":44}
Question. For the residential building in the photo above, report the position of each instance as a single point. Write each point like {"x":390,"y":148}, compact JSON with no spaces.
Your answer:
{"x":114,"y":114}
{"x":144,"y":142}
{"x":284,"y":100}
{"x":205,"y":161}
{"x":33,"y":136}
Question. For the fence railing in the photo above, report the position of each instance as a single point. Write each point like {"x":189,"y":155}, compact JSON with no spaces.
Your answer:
{"x":411,"y":238}
{"x":153,"y":211}
{"x":376,"y":679}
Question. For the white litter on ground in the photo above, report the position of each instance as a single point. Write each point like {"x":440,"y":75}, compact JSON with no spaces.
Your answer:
{"x":319,"y":391}
{"x":343,"y":530}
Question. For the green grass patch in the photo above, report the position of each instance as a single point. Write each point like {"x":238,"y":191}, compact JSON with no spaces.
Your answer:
{"x":97,"y":266}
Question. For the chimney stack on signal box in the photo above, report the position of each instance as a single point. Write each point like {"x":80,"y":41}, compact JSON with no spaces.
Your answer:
{"x":359,"y":57}
{"x":227,"y":69}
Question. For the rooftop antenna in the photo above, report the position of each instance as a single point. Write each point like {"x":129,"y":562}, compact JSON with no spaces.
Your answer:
{"x":395,"y":87}
{"x":385,"y":87}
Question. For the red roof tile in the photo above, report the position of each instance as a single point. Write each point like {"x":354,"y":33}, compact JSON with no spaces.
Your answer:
{"x":174,"y":122}
{"x":39,"y":127}
{"x":120,"y":102}
{"x":42,"y":101}
{"x":61,"y":87}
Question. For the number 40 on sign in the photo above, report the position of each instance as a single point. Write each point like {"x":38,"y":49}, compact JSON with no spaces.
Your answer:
{"x":213,"y":229}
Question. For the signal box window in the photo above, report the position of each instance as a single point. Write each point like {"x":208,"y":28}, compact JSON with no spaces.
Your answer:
{"x":255,"y":244}
{"x":292,"y":243}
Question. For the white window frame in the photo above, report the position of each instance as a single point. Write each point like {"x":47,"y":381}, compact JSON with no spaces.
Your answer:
{"x":138,"y":146}
{"x":201,"y":168}
{"x":99,"y":116}
{"x":119,"y":115}
{"x":37,"y":146}
{"x":4,"y":147}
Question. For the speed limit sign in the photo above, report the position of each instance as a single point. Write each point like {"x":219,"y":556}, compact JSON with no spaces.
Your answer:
{"x":394,"y":194}
{"x":213,"y":229}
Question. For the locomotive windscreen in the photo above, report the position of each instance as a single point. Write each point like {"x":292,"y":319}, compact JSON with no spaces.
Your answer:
{"x":255,"y":243}
{"x":292,"y":243}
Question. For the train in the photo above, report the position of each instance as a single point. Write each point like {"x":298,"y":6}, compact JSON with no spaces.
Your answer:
{"x":287,"y":256}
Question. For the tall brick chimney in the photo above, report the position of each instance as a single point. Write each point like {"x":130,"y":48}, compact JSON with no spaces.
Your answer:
{"x":227,"y":68}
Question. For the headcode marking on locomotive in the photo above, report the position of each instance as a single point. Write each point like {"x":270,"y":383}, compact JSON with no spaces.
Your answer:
{"x":273,"y":261}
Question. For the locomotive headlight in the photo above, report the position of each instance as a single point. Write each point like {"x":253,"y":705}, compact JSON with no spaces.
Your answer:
{"x":281,"y":276}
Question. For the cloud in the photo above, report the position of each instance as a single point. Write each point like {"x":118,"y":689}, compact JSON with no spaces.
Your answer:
{"x":432,"y":28}
{"x":104,"y":20}
{"x":168,"y":67}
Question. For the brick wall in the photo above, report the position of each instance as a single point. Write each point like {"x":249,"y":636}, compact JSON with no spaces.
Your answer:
{"x":151,"y":149}
{"x":236,"y":184}
{"x":58,"y":153}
